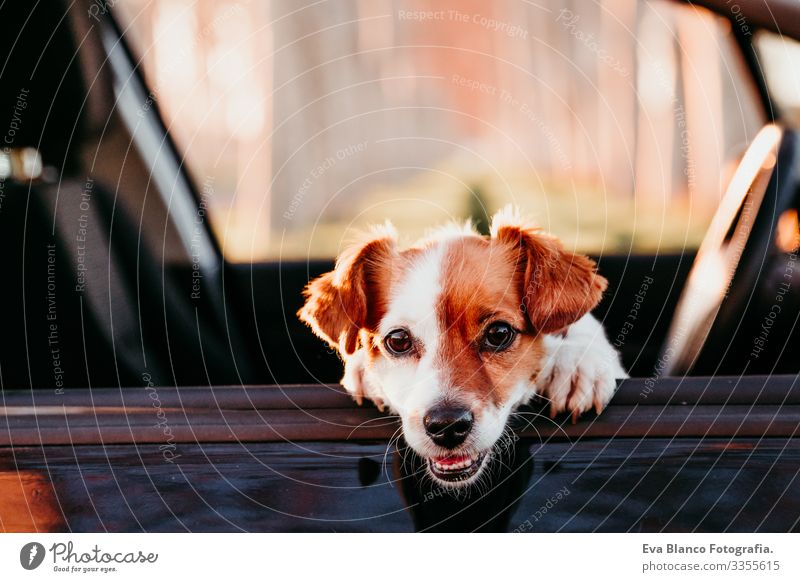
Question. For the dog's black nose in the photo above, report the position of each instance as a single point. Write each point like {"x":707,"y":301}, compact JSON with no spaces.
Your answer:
{"x":447,"y":426}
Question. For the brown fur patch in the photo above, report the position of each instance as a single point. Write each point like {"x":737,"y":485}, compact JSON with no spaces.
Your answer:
{"x":353,"y":296}
{"x":345,"y":306}
{"x":481,"y":285}
{"x":559,"y":287}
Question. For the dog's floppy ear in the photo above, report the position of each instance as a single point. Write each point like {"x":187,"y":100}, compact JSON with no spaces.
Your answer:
{"x":559,"y":287}
{"x":340,"y":303}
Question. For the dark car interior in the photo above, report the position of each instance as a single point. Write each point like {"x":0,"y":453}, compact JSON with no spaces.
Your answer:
{"x":135,"y":313}
{"x":101,"y":290}
{"x":120,"y":306}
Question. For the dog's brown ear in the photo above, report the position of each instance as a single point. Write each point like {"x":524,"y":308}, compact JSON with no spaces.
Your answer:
{"x":342,"y":302}
{"x":558,"y":287}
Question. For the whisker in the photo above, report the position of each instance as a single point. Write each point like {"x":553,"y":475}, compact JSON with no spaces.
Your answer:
{"x":538,"y":396}
{"x":529,"y":423}
{"x":392,"y":440}
{"x":386,"y":418}
{"x":548,"y":419}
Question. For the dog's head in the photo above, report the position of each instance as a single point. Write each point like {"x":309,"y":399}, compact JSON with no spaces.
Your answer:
{"x":448,"y":333}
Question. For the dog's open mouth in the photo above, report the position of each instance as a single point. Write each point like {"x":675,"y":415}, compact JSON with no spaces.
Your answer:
{"x":454,"y":468}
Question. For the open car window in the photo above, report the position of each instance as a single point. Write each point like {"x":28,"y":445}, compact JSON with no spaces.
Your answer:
{"x":779,"y":57}
{"x":312,"y":121}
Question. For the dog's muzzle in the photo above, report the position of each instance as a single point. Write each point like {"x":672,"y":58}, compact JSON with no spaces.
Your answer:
{"x":448,"y":427}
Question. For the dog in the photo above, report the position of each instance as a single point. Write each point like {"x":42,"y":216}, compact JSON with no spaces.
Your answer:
{"x":457,"y":331}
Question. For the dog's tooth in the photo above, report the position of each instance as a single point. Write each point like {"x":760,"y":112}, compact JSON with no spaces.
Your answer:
{"x":467,"y":463}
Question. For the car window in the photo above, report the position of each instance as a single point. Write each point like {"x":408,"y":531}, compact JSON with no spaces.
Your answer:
{"x":614,"y":125}
{"x":780,"y":59}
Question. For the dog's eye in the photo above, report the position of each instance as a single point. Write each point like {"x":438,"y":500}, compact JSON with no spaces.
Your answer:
{"x":398,"y":342}
{"x":498,"y":336}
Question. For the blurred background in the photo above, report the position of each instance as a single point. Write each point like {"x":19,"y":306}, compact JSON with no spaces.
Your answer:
{"x":615,"y":124}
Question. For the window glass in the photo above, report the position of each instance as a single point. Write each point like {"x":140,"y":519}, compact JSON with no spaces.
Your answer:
{"x":780,"y":59}
{"x":613,"y":124}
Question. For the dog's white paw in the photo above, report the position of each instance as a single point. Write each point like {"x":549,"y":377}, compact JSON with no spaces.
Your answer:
{"x":580,"y":370}
{"x":355,"y":383}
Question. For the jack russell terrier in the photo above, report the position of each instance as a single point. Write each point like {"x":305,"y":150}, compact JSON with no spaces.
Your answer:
{"x":457,"y":331}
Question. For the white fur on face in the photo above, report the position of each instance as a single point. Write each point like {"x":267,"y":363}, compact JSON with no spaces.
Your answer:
{"x":409,"y":385}
{"x":495,"y":418}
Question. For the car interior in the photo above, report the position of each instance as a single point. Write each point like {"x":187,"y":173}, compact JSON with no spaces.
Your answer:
{"x":134,"y":313}
{"x":114,"y":279}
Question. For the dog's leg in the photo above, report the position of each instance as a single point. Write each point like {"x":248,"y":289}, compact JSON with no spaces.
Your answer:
{"x":355,"y":382}
{"x":580,"y":369}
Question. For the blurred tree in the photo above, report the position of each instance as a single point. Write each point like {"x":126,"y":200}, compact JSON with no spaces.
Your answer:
{"x":477,"y":209}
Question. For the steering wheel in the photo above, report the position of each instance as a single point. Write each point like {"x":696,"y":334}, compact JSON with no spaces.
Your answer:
{"x":732,"y":258}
